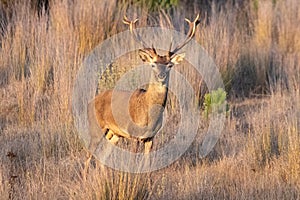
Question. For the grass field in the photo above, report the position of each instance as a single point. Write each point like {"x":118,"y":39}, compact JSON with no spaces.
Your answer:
{"x":256,"y":46}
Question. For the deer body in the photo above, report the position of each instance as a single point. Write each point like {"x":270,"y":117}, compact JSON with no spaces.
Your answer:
{"x":139,"y":110}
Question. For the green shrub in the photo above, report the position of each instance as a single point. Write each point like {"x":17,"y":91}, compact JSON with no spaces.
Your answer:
{"x":214,"y":102}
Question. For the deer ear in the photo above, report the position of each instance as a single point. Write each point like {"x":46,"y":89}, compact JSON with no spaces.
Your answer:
{"x":145,"y":56}
{"x":177,"y":58}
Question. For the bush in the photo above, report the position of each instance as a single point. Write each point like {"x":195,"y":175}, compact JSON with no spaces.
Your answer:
{"x":214,"y":102}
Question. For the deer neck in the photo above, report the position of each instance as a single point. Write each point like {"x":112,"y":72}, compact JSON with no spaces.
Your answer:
{"x":157,"y":93}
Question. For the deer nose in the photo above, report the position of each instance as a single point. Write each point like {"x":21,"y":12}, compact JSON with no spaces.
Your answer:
{"x":162,"y":75}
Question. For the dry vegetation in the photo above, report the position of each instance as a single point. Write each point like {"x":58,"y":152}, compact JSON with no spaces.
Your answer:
{"x":257,"y":49}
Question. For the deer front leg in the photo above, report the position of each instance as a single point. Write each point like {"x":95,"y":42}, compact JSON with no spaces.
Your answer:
{"x":148,"y":146}
{"x":109,"y":135}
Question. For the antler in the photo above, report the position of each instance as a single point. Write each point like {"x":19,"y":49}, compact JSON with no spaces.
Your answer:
{"x":131,"y":24}
{"x":190,"y":35}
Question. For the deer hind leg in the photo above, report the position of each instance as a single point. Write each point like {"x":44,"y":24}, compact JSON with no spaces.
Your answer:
{"x":94,"y":141}
{"x":109,"y":134}
{"x":111,"y":137}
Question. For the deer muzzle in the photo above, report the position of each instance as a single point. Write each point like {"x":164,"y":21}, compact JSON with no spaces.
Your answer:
{"x":162,"y":75}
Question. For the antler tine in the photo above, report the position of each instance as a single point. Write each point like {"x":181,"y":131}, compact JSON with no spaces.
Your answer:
{"x":190,"y":34}
{"x":170,"y":48}
{"x":131,"y":24}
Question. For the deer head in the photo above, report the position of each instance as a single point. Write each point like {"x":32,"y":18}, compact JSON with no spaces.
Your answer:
{"x":161,"y":65}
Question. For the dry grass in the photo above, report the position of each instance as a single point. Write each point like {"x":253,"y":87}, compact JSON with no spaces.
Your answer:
{"x":257,"y":157}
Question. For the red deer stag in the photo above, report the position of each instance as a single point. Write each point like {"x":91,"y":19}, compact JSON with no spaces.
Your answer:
{"x":144,"y":108}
